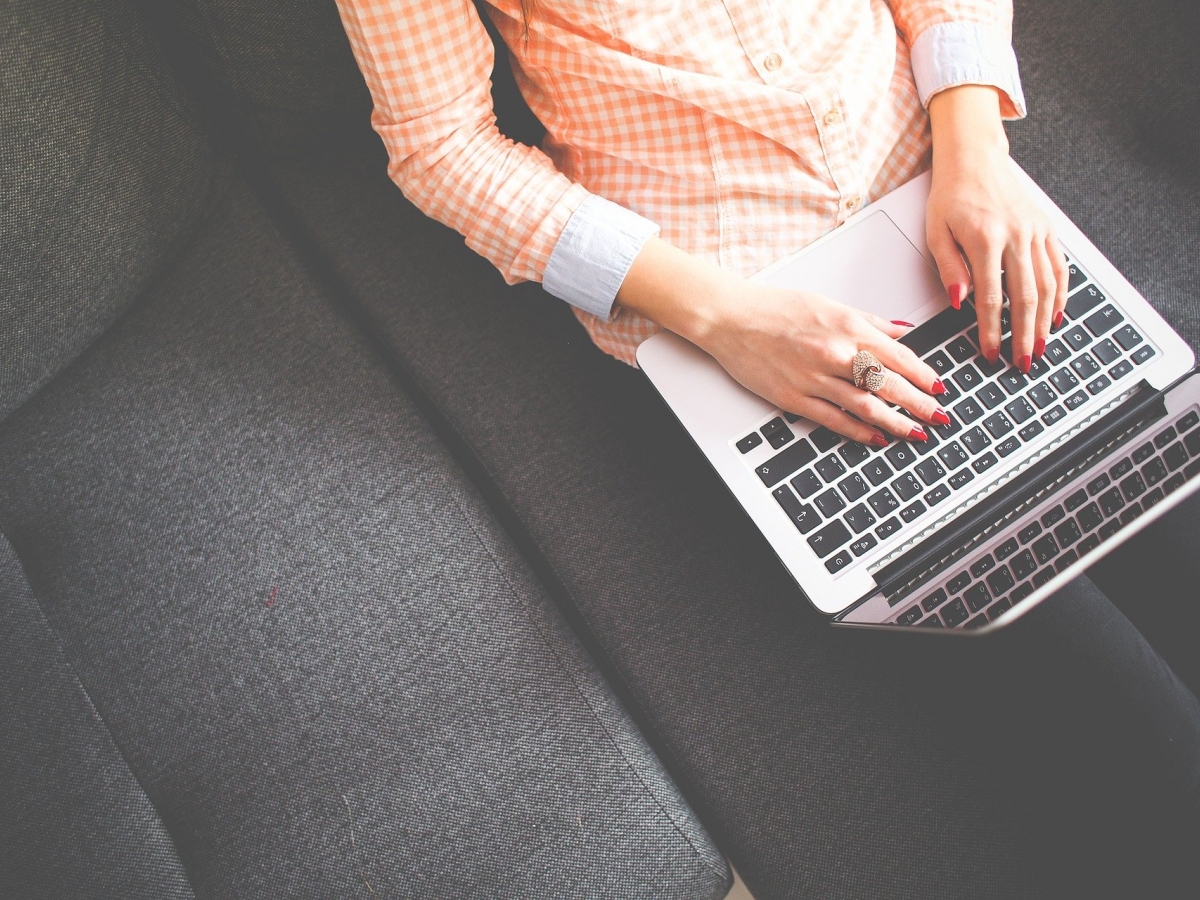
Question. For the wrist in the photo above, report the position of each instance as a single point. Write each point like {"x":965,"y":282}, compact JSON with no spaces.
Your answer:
{"x":966,"y":124}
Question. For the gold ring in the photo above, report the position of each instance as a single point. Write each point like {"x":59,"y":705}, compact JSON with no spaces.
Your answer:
{"x":867,"y":372}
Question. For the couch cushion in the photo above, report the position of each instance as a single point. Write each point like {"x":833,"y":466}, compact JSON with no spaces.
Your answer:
{"x":106,"y":172}
{"x":74,"y":822}
{"x":324,"y":663}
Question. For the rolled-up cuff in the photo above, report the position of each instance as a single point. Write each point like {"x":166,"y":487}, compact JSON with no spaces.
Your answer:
{"x":593,"y":254}
{"x":956,"y":53}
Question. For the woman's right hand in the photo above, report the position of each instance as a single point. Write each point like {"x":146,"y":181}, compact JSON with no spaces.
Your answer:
{"x":793,"y":348}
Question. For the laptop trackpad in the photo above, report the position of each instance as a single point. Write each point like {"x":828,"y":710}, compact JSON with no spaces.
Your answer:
{"x":872,"y":266}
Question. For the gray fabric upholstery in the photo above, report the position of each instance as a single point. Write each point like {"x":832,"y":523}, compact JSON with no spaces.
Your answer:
{"x":105,"y":173}
{"x":1113,"y":135}
{"x":321,"y":659}
{"x":71,"y":812}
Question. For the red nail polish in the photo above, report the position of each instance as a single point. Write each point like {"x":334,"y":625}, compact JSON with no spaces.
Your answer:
{"x":918,"y":434}
{"x":993,"y":354}
{"x":1023,"y":365}
{"x":1039,"y":347}
{"x":939,"y":417}
{"x":938,"y":387}
{"x":1058,"y":317}
{"x":902,"y":323}
{"x":878,"y":440}
{"x":957,"y":292}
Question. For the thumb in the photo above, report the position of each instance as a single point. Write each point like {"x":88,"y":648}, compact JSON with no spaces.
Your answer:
{"x":956,"y":277}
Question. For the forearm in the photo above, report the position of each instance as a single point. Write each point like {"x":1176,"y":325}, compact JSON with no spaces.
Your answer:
{"x":966,"y":122}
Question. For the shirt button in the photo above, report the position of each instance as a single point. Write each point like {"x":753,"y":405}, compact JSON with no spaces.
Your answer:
{"x":832,"y":117}
{"x":772,"y":61}
{"x":853,"y":202}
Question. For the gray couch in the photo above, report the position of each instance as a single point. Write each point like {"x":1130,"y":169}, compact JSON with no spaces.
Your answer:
{"x":332,"y":566}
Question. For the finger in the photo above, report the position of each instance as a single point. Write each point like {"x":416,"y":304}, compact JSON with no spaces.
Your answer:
{"x":869,"y":408}
{"x":914,"y":401}
{"x":901,"y":360}
{"x":956,"y":277}
{"x":1022,"y":301}
{"x":985,"y":256}
{"x":1047,"y":280}
{"x":893,"y":328}
{"x":834,"y":418}
{"x":1062,"y":277}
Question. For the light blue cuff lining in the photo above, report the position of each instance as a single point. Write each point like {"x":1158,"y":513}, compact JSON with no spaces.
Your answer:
{"x":593,"y":254}
{"x":955,"y":53}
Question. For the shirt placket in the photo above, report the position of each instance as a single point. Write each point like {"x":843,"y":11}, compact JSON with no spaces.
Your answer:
{"x":838,"y":147}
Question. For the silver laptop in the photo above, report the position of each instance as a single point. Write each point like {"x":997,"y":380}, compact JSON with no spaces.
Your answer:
{"x":1035,"y":478}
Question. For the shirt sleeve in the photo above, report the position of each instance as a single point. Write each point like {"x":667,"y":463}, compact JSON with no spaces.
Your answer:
{"x":427,"y":64}
{"x":955,"y":42}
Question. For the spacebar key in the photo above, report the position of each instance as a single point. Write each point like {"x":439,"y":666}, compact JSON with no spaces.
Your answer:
{"x":938,"y":330}
{"x":781,"y":465}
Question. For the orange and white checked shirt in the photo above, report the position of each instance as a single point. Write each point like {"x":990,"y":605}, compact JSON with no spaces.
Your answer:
{"x":743,"y":129}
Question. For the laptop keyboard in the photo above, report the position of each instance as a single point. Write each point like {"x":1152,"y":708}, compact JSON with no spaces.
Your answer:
{"x":1031,"y":553}
{"x":846,"y":498}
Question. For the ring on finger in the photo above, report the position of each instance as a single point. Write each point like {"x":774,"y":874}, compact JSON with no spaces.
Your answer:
{"x":867,"y":372}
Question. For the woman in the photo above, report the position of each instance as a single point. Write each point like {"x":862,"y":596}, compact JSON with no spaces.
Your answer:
{"x":688,"y":146}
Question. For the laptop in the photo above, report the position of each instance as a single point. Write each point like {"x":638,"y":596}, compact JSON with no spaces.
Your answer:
{"x":1036,"y":477}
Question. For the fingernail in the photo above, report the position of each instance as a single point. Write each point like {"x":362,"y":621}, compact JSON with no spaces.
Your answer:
{"x":1039,"y":347}
{"x":957,"y":292}
{"x":918,"y":434}
{"x":1023,"y":365}
{"x":1058,"y":317}
{"x":939,"y":417}
{"x":938,"y":387}
{"x":993,"y":354}
{"x":902,"y":323}
{"x":878,"y":440}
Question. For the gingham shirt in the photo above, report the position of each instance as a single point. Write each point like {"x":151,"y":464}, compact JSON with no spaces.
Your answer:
{"x":743,"y":130}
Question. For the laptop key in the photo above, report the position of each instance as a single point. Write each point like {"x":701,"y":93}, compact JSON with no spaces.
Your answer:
{"x":824,"y":438}
{"x":859,"y":518}
{"x":1043,"y":577}
{"x":1010,"y":444}
{"x":939,"y":362}
{"x":958,"y":582}
{"x":1052,"y":516}
{"x":952,"y":455}
{"x":1067,"y":533}
{"x":1074,"y":277}
{"x":1084,"y":301}
{"x":901,"y":454}
{"x":1076,"y":500}
{"x":1188,"y":422}
{"x":1107,"y":352}
{"x":1175,"y":456}
{"x":1111,"y":502}
{"x":907,"y":487}
{"x":1019,"y":410}
{"x":1053,"y":414}
{"x":955,"y":613}
{"x":803,"y":516}
{"x":1154,"y":471}
{"x":1096,"y":385}
{"x":912,"y":511}
{"x":1164,"y":437}
{"x":1076,"y":338}
{"x":839,"y":562}
{"x":1064,"y":380}
{"x":1023,"y":564}
{"x":830,"y":503}
{"x":982,"y":463}
{"x":936,"y":331}
{"x":1000,"y":581}
{"x":1029,"y":532}
{"x":960,"y":478}
{"x":961,"y":349}
{"x":830,"y":468}
{"x":1038,"y":368}
{"x":1103,"y":321}
{"x":1020,"y":592}
{"x":1121,"y":468}
{"x":982,"y":565}
{"x":1127,"y":336}
{"x":1042,"y":394}
{"x":998,"y":424}
{"x":990,"y":396}
{"x":1065,"y":560}
{"x":1192,"y":442}
{"x":863,"y":544}
{"x":1089,"y":517}
{"x":934,"y":600}
{"x":883,"y":502}
{"x":990,"y":368}
{"x":937,"y":495}
{"x":930,"y":471}
{"x":853,"y":486}
{"x":975,"y":440}
{"x":968,"y":378}
{"x":877,"y":471}
{"x":1088,"y":544}
{"x":888,"y":528}
{"x":1007,"y":549}
{"x":1142,"y":354}
{"x":1076,"y":400}
{"x":1097,"y":484}
{"x":1133,"y":486}
{"x":1032,"y":430}
{"x":909,"y":616}
{"x":1012,"y":381}
{"x":1044,"y":549}
{"x":829,"y":538}
{"x":977,"y":596}
{"x":1174,"y":483}
{"x":749,"y":442}
{"x":969,"y":410}
{"x":1120,"y":370}
{"x":1130,"y":514}
{"x":854,"y":453}
{"x":807,"y":483}
{"x":781,"y":465}
{"x":1056,"y":352}
{"x":1085,"y":366}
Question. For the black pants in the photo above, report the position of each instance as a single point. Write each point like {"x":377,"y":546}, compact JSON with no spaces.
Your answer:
{"x":1094,"y":696}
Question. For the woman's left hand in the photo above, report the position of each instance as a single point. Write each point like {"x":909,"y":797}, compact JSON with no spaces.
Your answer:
{"x":978,"y":209}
